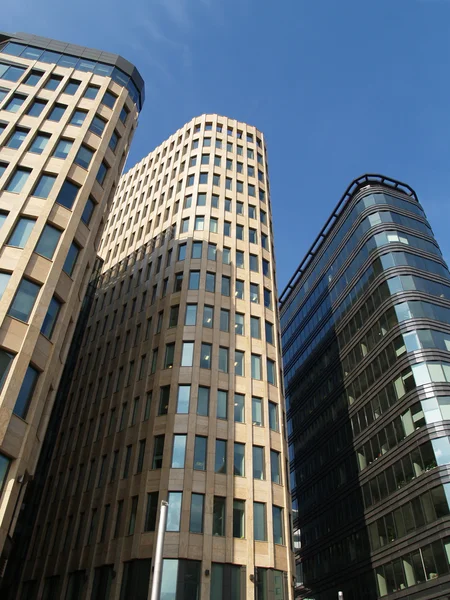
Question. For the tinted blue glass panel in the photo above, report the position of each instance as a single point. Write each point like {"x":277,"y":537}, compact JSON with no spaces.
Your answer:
{"x":48,"y":241}
{"x":78,"y":118}
{"x":44,"y":186}
{"x":68,"y":193}
{"x":24,"y":300}
{"x":88,"y":210}
{"x":26,"y":392}
{"x":13,"y":49}
{"x":51,"y":317}
{"x":36,"y":108}
{"x":57,"y":113}
{"x":39,"y":143}
{"x":71,"y":259}
{"x":49,"y":57}
{"x":18,"y":180}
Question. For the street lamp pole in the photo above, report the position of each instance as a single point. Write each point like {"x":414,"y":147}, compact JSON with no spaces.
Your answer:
{"x":158,"y":560}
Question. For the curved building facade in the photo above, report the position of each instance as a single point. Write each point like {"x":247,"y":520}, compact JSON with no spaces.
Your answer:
{"x":177,"y":393}
{"x":67,"y":115}
{"x":366,"y":349}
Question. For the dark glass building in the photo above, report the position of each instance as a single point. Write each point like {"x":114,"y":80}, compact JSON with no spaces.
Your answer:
{"x":365,"y":324}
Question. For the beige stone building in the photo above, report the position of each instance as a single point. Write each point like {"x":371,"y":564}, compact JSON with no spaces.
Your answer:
{"x":177,"y":393}
{"x":67,"y":116}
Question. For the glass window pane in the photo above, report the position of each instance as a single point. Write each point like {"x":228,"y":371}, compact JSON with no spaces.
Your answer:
{"x":179,"y":451}
{"x":259,"y":521}
{"x":71,"y":259}
{"x":258,"y":462}
{"x":24,"y":300}
{"x":239,"y":408}
{"x":184,"y":394}
{"x":196,"y":520}
{"x":67,"y":194}
{"x":203,"y":401}
{"x":44,"y":186}
{"x":21,"y":232}
{"x":51,"y":317}
{"x":18,"y":180}
{"x":174,"y":511}
{"x":48,"y":241}
{"x":257,"y":412}
{"x":200,"y":453}
{"x":239,"y":459}
{"x":220,"y":463}
{"x":26,"y":392}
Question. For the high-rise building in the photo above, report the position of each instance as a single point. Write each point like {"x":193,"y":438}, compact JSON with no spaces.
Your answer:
{"x":67,"y":115}
{"x":366,"y":349}
{"x":176,"y":394}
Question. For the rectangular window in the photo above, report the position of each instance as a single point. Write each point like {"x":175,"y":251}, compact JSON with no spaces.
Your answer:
{"x":269,"y":333}
{"x":271,"y":374}
{"x":223,"y":359}
{"x":222,"y":404}
{"x":275,"y":466}
{"x":183,"y":399}
{"x":200,"y":453}
{"x":194,"y":280}
{"x":21,"y":232}
{"x":51,"y":317}
{"x":77,"y":119}
{"x":191,"y":314}
{"x":15,"y":102}
{"x":26,"y":392}
{"x":255,"y":327}
{"x":174,"y":511}
{"x":226,"y":256}
{"x":258,"y":462}
{"x":220,"y":464}
{"x":97,"y":125}
{"x":239,"y":259}
{"x":197,"y":507}
{"x":277,"y":520}
{"x":203,"y":401}
{"x":239,"y":363}
{"x":164,"y":396}
{"x":256,"y":367}
{"x":44,"y":186}
{"x":39,"y":143}
{"x":239,"y":459}
{"x":187,"y":354}
{"x":158,"y":451}
{"x":226,"y":286}
{"x":141,"y":456}
{"x":133,"y":511}
{"x":210,"y":284}
{"x":84,"y":157}
{"x":239,"y":293}
{"x":16,"y":138}
{"x":259,"y":522}
{"x":239,"y":518}
{"x":239,"y":324}
{"x":212,"y":251}
{"x":205,"y":356}
{"x":126,"y":464}
{"x":18,"y":180}
{"x":179,"y":451}
{"x":102,"y":172}
{"x":24,"y":300}
{"x":178,"y":283}
{"x":199,"y":224}
{"x":169,"y":356}
{"x":273,"y":417}
{"x":219,"y":505}
{"x":71,"y":259}
{"x":227,"y":228}
{"x":213,"y":225}
{"x":173,"y":315}
{"x":239,"y":408}
{"x":254,"y":293}
{"x":151,"y":511}
{"x":197,"y":250}
{"x":67,"y":194}
{"x":224,"y":320}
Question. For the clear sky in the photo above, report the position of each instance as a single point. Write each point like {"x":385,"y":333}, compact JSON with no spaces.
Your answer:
{"x":339,"y":87}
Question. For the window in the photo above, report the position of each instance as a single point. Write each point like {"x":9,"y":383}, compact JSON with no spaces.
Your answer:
{"x":239,"y":324}
{"x":169,"y":356}
{"x":173,"y":316}
{"x":201,"y":199}
{"x":84,"y":157}
{"x":174,"y":511}
{"x":15,"y":102}
{"x":126,"y":464}
{"x":97,"y":126}
{"x":18,"y":180}
{"x":109,"y":99}
{"x":26,"y":392}
{"x":226,"y":285}
{"x":33,"y":78}
{"x":191,"y":314}
{"x":24,"y":300}
{"x":151,"y":511}
{"x":179,"y":451}
{"x":239,"y":459}
{"x":239,"y":232}
{"x":239,"y":408}
{"x":239,"y":293}
{"x":53,"y":82}
{"x":239,"y":518}
{"x":256,"y":367}
{"x":203,"y":401}
{"x":184,"y":394}
{"x":190,"y":180}
{"x":187,"y":354}
{"x":254,"y":293}
{"x":158,"y":451}
{"x":208,"y":316}
{"x":194,"y":280}
{"x":88,"y":210}
{"x":16,"y":138}
{"x":181,"y":252}
{"x":273,"y":417}
{"x":21,"y":233}
{"x":178,"y":283}
{"x":252,"y":236}
{"x":205,"y":356}
{"x":78,"y":118}
{"x":102,"y":171}
{"x":269,"y":333}
{"x":164,"y":396}
{"x":258,"y":462}
{"x":255,"y":327}
{"x":275,"y":466}
{"x":222,"y":404}
{"x":223,"y":360}
{"x":124,"y":114}
{"x":197,"y":506}
{"x":71,"y":87}
{"x":63,"y":148}
{"x":277,"y":519}
{"x":220,"y":464}
{"x":213,"y":225}
{"x":67,"y":194}
{"x":44,"y":186}
{"x":210,"y":283}
{"x":267,"y":298}
{"x":48,"y":241}
{"x":259,"y":521}
{"x":239,"y":259}
{"x":257,"y":411}
{"x":212,"y":250}
{"x":218,"y":527}
{"x":39,"y":143}
{"x":239,"y":363}
{"x":91,"y":92}
{"x":200,"y":453}
{"x":114,"y":141}
{"x":197,"y":250}
{"x":51,"y":317}
{"x":71,"y":259}
{"x":271,"y":376}
{"x":254,"y":266}
{"x":199,"y":223}
{"x":224,"y":319}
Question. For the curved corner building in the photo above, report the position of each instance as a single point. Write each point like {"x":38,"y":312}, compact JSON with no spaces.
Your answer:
{"x":177,"y":393}
{"x":67,"y":115}
{"x":366,"y":348}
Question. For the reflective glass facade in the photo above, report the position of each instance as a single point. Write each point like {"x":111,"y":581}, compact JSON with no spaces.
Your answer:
{"x":365,"y":325}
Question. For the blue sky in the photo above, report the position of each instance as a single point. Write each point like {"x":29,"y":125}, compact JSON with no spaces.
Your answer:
{"x":339,"y":87}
